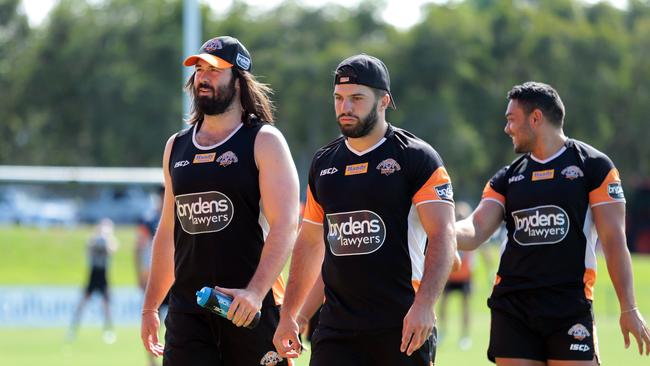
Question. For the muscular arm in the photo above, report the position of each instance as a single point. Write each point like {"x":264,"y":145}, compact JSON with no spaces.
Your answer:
{"x":306,"y":263}
{"x":438,"y":222}
{"x":280,"y":201}
{"x":610,"y":224}
{"x":479,"y":226}
{"x":278,"y":181}
{"x":161,"y":275}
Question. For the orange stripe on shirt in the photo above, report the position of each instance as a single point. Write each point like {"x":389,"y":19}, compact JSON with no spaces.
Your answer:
{"x":313,"y":211}
{"x":428,"y":191}
{"x":490,"y":193}
{"x":590,"y":280}
{"x":416,"y":285}
{"x":602,"y":194}
{"x":278,"y":290}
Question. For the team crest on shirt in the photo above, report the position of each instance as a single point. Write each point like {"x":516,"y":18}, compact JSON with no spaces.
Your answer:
{"x":227,"y":158}
{"x":572,"y":172}
{"x":388,"y":167}
{"x":579,"y":332}
{"x":271,"y":358}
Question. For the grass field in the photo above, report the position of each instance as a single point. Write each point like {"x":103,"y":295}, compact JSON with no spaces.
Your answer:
{"x":32,"y":256}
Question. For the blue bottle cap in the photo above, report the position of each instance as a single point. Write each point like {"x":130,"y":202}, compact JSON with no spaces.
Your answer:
{"x":203,"y":296}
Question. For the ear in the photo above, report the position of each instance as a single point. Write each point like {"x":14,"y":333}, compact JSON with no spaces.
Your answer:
{"x":384,"y":102}
{"x":536,"y":118}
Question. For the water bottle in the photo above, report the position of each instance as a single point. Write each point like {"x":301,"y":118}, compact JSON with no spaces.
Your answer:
{"x":219,"y":303}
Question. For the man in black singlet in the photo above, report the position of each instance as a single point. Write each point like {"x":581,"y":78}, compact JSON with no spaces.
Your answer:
{"x":229,"y":218}
{"x":557,"y":200}
{"x":379,"y":218}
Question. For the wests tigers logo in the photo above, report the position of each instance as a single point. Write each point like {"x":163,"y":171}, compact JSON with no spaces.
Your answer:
{"x":227,"y":158}
{"x":388,"y":167}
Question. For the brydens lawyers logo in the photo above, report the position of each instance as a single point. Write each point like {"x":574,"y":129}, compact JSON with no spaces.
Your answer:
{"x":204,"y":212}
{"x":540,"y":225}
{"x":572,"y":172}
{"x":204,"y":158}
{"x":227,"y":158}
{"x":579,"y":332}
{"x":356,"y":169}
{"x":355,"y":232}
{"x":388,"y":167}
{"x":615,"y":191}
{"x":445,"y":191}
{"x":182,"y":163}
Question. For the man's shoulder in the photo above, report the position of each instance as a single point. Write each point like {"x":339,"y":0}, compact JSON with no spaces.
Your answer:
{"x":329,"y":148}
{"x":586,"y":151}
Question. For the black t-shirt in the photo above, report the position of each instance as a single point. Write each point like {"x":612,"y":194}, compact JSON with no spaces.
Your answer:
{"x":374,"y":240}
{"x":551,"y":242}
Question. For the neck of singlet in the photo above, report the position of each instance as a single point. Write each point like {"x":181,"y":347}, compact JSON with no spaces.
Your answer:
{"x":201,"y":147}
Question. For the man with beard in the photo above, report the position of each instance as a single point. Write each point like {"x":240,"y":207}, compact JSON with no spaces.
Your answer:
{"x":224,"y":223}
{"x":375,"y":195}
{"x":558,"y":199}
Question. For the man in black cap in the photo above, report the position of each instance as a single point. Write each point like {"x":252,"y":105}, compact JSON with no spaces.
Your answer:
{"x":224,"y":223}
{"x":375,"y":195}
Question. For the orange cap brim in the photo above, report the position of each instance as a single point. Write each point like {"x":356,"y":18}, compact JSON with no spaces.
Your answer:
{"x":212,"y":60}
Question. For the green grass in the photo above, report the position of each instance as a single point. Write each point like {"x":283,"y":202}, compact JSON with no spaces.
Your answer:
{"x":57,"y":256}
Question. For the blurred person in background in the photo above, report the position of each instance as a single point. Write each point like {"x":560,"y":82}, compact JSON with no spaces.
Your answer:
{"x":229,"y":218}
{"x":460,"y":280}
{"x":101,"y":245}
{"x":557,"y":198}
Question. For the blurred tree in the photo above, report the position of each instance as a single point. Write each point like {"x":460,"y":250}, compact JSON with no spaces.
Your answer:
{"x":99,"y":83}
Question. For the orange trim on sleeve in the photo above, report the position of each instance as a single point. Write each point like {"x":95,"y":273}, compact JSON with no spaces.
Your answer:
{"x":589,"y":280}
{"x":437,"y":188}
{"x":609,"y":191}
{"x":490,"y":193}
{"x":497,"y":280}
{"x":278,"y":290}
{"x":313,"y":211}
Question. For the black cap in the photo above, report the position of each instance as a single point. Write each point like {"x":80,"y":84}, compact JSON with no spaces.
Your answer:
{"x":364,"y":70}
{"x":223,"y":52}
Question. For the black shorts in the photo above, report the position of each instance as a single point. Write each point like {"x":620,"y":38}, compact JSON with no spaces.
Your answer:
{"x":465,"y":287}
{"x":97,"y":282}
{"x":518,"y":334}
{"x":370,"y":347}
{"x":206,"y":339}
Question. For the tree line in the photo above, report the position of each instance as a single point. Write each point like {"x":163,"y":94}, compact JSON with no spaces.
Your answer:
{"x":99,"y":83}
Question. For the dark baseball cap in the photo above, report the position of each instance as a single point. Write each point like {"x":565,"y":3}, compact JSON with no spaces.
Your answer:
{"x":223,"y":52}
{"x":364,"y":70}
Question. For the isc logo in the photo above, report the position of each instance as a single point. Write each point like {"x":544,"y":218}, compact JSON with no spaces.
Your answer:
{"x":328,"y":171}
{"x":579,"y":347}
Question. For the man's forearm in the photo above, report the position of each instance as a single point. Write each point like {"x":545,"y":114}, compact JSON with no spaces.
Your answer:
{"x":275,"y":253}
{"x":619,"y":266}
{"x":306,"y":263}
{"x":437,"y":265}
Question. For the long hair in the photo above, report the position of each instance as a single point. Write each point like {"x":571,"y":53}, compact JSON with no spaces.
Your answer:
{"x":255,"y":98}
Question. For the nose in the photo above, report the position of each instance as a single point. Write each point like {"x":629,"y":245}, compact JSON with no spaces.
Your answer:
{"x":346,"y":105}
{"x":506,"y":129}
